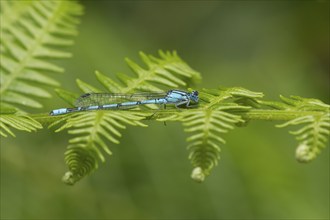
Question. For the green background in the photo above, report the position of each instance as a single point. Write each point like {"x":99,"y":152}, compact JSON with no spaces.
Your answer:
{"x":275,"y":47}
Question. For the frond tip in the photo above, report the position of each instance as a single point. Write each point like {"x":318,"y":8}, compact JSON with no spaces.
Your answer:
{"x":312,"y":137}
{"x":81,"y":162}
{"x":92,"y":131}
{"x":198,"y":175}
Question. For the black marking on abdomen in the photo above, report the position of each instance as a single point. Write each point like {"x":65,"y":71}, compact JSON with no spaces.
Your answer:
{"x":85,"y":95}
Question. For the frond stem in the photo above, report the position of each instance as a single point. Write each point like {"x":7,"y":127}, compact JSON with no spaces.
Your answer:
{"x":276,"y":115}
{"x":255,"y":114}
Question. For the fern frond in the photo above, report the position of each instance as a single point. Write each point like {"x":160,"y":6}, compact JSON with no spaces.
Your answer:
{"x":312,"y":137}
{"x":296,"y":103}
{"x":19,"y":122}
{"x":30,"y":31}
{"x":213,"y":98}
{"x":28,"y":43}
{"x":168,"y":71}
{"x":92,"y":130}
{"x":208,"y":123}
{"x":206,"y":127}
{"x":304,"y":104}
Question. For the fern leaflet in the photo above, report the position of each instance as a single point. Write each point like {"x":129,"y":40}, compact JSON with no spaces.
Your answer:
{"x":168,"y":71}
{"x":312,"y":137}
{"x":90,"y":130}
{"x":19,"y":122}
{"x":207,"y":124}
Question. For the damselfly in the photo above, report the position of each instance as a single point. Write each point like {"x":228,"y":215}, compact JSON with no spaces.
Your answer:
{"x":98,"y":101}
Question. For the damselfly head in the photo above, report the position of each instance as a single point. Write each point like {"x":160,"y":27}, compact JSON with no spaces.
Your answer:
{"x":194,"y":96}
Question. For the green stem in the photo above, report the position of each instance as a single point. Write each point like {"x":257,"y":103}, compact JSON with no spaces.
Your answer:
{"x":276,"y":115}
{"x":255,"y":114}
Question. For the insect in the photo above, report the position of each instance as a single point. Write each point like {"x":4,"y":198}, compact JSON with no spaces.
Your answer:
{"x":98,"y":101}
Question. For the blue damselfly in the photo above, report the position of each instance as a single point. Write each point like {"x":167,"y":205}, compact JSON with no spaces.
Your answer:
{"x":99,"y":101}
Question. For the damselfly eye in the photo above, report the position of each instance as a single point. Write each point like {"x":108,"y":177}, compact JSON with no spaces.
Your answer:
{"x":194,"y":96}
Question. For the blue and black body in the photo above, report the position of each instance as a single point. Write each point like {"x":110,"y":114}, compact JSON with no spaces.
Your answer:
{"x":98,"y":101}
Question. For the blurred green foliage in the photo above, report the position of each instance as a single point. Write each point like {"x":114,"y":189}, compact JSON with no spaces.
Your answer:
{"x":268,"y":46}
